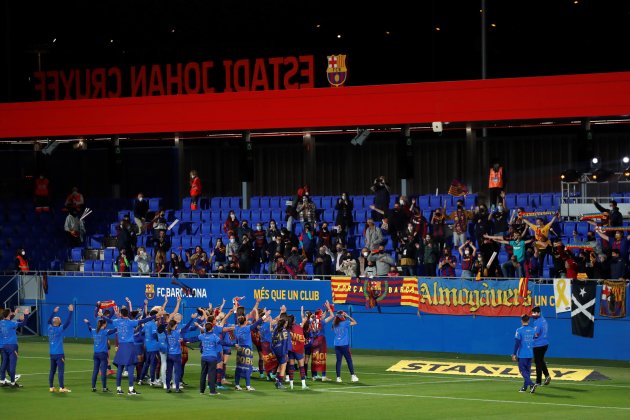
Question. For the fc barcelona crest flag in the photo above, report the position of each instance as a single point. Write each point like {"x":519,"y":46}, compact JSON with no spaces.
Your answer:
{"x":336,"y":72}
{"x":583,"y":296}
{"x":613,"y":303}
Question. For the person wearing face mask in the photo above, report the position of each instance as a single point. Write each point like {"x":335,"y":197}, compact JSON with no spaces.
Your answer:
{"x":306,"y":211}
{"x":245,"y":255}
{"x":496,"y":181}
{"x":159,"y":223}
{"x":140,"y":210}
{"x":21,"y":262}
{"x":232,"y":249}
{"x":231,"y":223}
{"x":244,"y":230}
{"x":406,"y":252}
{"x":273,"y":231}
{"x":218,"y":254}
{"x":438,"y":228}
{"x":162,"y":242}
{"x":373,"y":236}
{"x":500,"y":217}
{"x":479,"y":269}
{"x":431,"y":255}
{"x":382,"y":260}
{"x":348,"y":265}
{"x":259,"y":238}
{"x":344,"y":218}
{"x":338,"y":258}
{"x":195,"y":190}
{"x":381,"y":198}
{"x":618,"y":269}
{"x":296,"y":262}
{"x":460,"y":218}
{"x":363,"y":262}
{"x":74,"y":228}
{"x":591,"y":242}
{"x":447,"y":264}
{"x":482,"y":223}
{"x":323,"y":263}
{"x":619,"y":243}
{"x":308,"y":241}
{"x":467,"y":252}
{"x":325,"y":236}
{"x":142,"y":260}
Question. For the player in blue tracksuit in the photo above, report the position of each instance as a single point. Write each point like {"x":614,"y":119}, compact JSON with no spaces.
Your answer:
{"x":211,"y":350}
{"x":523,"y":351}
{"x":152,"y":347}
{"x":9,"y":348}
{"x":55,"y":340}
{"x":280,"y":341}
{"x":100,"y":334}
{"x":541,"y":344}
{"x":341,"y":327}
{"x":245,"y":355}
{"x":125,"y":356}
{"x":174,"y":332}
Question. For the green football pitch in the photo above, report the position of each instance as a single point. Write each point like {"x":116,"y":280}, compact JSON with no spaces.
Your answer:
{"x":379,"y":394}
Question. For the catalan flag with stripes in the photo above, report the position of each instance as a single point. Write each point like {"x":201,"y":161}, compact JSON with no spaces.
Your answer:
{"x":384,"y":291}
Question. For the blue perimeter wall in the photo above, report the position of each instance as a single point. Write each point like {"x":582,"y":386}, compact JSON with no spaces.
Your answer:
{"x":398,"y":328}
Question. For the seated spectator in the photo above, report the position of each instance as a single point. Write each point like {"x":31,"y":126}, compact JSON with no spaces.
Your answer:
{"x":140,"y":210}
{"x":74,"y":201}
{"x":479,"y":269}
{"x":75,"y":229}
{"x":467,"y":253}
{"x":323,"y":263}
{"x":231,"y":224}
{"x":142,"y":260}
{"x":447,"y":263}
{"x":373,"y":237}
{"x":121,"y":265}
{"x":159,"y":264}
{"x":382,"y":260}
{"x":618,"y":268}
{"x":21,"y":262}
{"x":195,"y":256}
{"x":219,"y":254}
{"x":306,"y":211}
{"x":177,"y":265}
{"x":393,"y":272}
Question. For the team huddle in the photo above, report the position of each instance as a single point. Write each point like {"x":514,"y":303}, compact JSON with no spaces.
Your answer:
{"x":152,"y":345}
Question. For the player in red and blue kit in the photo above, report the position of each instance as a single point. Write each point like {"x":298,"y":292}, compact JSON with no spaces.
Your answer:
{"x":55,"y":341}
{"x":523,"y":351}
{"x":296,"y":354}
{"x":270,"y":364}
{"x":341,"y":327}
{"x":9,"y":347}
{"x":244,"y":355}
{"x":280,"y":342}
{"x":100,"y":357}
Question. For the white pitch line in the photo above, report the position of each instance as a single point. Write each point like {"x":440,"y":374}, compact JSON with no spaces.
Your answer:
{"x":405,"y":384}
{"x":67,"y":358}
{"x":516,"y":379}
{"x":47,"y":373}
{"x":436,"y":397}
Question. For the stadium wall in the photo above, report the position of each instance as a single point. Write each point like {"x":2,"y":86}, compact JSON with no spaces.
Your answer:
{"x":399,"y":328}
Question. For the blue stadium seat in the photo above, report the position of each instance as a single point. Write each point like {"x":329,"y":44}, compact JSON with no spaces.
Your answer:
{"x":155,"y":203}
{"x":113,"y":229}
{"x":308,"y":269}
{"x":546,"y":201}
{"x":195,"y":228}
{"x":246,"y":215}
{"x":328,"y":216}
{"x":98,"y":266}
{"x":235,"y":203}
{"x":317,"y":200}
{"x":276,"y":214}
{"x":176,"y":241}
{"x":328,"y":202}
{"x":205,"y":228}
{"x":510,"y":201}
{"x":215,"y":216}
{"x":470,"y":201}
{"x":522,"y":200}
{"x":186,"y":203}
{"x":583,"y":228}
{"x":435,"y":201}
{"x":424,"y":202}
{"x":88,"y":266}
{"x":215,"y":203}
{"x":206,"y":216}
{"x":254,"y":203}
{"x":568,"y":228}
{"x":357,"y":201}
{"x":449,"y":201}
{"x":225,"y":203}
{"x":427,"y":215}
{"x":216,"y":229}
{"x":265,"y":203}
{"x":184,"y":215}
{"x":534,"y":201}
{"x":123,"y":213}
{"x":187,"y":241}
{"x":265,"y":216}
{"x":195,"y":216}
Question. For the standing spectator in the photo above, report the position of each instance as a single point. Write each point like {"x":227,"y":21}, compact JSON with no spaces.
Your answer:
{"x":383,"y":261}
{"x":481,"y":223}
{"x":438,"y":227}
{"x":231,"y":224}
{"x":325,"y":236}
{"x":348,"y":265}
{"x":195,"y":256}
{"x":244,"y":230}
{"x":291,"y":209}
{"x":274,"y":247}
{"x":381,"y":198}
{"x":323,"y":263}
{"x":363,"y":261}
{"x":74,"y":228}
{"x":202,"y":266}
{"x":289,"y":240}
{"x":467,"y":253}
{"x":514,"y":266}
{"x":420,"y":223}
{"x":397,"y":220}
{"x":126,"y":236}
{"x":338,"y":257}
{"x":195,"y":190}
{"x":177,"y":265}
{"x":496,"y":181}
{"x":486,"y":250}
{"x":21,"y":262}
{"x":431,"y":254}
{"x":615,"y":218}
{"x":373,"y":235}
{"x":407,"y":253}
{"x":541,"y":234}
{"x":162,"y":242}
{"x":500,"y":217}
{"x":245,"y":255}
{"x":344,"y":220}
{"x":460,"y":225}
{"x":530,"y":264}
{"x":159,"y":265}
{"x":142,"y":260}
{"x":232,"y":249}
{"x":617,"y":266}
{"x":479,"y":269}
{"x":309,"y":241}
{"x":273,"y":231}
{"x":306,"y":211}
{"x":447,"y":264}
{"x":219,"y":254}
{"x":296,"y":262}
{"x":75,"y":201}
{"x":140,"y":210}
{"x":159,"y":223}
{"x":260,"y":245}
{"x":121,"y":265}
{"x":42,"y":194}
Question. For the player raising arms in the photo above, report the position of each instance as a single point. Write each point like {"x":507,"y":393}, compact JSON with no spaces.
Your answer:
{"x":174,"y":332}
{"x":55,"y":341}
{"x":297,"y":350}
{"x":100,"y":335}
{"x":9,"y":349}
{"x":280,"y":341}
{"x":244,"y":355}
{"x":341,"y":327}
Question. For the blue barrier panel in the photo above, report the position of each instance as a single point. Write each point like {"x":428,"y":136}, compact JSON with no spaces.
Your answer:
{"x":390,"y":328}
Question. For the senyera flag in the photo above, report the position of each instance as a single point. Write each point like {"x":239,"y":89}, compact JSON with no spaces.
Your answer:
{"x":375,"y":292}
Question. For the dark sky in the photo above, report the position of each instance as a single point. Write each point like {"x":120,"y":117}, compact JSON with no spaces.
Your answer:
{"x":394,"y":42}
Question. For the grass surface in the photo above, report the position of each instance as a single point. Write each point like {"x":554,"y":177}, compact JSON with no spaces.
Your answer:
{"x":379,"y":394}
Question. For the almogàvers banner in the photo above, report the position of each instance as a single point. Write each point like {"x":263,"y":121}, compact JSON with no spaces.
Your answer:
{"x":470,"y":297}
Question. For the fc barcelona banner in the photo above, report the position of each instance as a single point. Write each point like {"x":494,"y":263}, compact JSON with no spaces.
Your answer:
{"x":469,"y":297}
{"x":384,"y":291}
